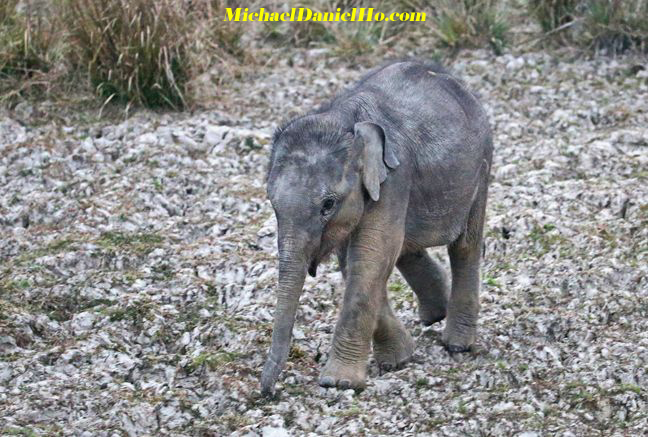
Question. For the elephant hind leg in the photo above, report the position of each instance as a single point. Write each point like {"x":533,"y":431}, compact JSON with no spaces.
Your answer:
{"x":465,"y":259}
{"x":393,"y":345}
{"x":430,"y":283}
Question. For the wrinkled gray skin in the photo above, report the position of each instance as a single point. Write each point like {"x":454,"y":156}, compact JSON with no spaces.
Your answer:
{"x":398,"y":163}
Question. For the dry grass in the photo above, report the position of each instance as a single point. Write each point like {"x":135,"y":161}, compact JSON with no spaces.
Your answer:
{"x":615,"y":26}
{"x":133,"y":51}
{"x":145,"y":53}
{"x":471,"y":23}
{"x":31,"y":49}
{"x":168,"y":53}
{"x":612,"y":26}
{"x":552,"y":14}
{"x":351,"y":41}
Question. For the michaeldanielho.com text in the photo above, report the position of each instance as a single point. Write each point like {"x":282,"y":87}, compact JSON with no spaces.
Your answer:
{"x":306,"y":14}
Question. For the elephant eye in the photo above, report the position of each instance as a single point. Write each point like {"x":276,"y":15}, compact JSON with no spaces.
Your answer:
{"x":327,"y":205}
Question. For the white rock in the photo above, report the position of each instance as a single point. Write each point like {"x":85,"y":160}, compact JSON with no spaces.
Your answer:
{"x":7,"y":344}
{"x":189,"y":143}
{"x":5,"y":372}
{"x":515,"y":64}
{"x":383,"y":386}
{"x":271,"y":431}
{"x":11,"y":132}
{"x":148,"y":138}
{"x":82,"y":322}
{"x":506,"y":171}
{"x":503,"y":406}
{"x":215,"y":135}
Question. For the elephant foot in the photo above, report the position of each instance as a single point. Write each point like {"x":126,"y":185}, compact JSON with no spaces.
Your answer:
{"x":456,"y":349}
{"x":429,"y":314}
{"x":344,"y":376}
{"x":458,"y":338}
{"x":393,"y":350}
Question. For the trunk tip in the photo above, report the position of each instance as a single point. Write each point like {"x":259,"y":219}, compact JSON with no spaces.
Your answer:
{"x":269,"y":377}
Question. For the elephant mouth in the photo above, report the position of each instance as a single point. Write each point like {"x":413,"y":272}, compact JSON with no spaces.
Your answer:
{"x":319,"y":258}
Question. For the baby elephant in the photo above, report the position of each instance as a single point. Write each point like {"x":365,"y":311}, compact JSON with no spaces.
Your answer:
{"x":398,"y":163}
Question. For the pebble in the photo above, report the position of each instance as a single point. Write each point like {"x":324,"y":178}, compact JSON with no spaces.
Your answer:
{"x":140,"y":297}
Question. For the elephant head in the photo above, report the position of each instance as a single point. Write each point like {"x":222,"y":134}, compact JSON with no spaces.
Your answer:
{"x":320,"y":180}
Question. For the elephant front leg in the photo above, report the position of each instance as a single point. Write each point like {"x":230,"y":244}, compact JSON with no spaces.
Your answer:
{"x":369,"y":262}
{"x":347,"y":363}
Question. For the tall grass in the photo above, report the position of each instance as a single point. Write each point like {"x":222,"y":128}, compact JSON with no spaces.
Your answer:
{"x":210,"y":32}
{"x":613,"y":26}
{"x":552,"y":14}
{"x":348,"y":40}
{"x":134,"y":51}
{"x":163,"y":53}
{"x":471,"y":23}
{"x":31,"y":48}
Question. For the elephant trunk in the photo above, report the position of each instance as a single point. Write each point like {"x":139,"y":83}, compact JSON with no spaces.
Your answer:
{"x":292,"y":272}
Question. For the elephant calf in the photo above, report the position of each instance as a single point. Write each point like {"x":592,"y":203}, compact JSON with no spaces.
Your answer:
{"x":397,"y":163}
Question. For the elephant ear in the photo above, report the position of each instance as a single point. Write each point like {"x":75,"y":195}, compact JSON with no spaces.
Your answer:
{"x":376,"y":156}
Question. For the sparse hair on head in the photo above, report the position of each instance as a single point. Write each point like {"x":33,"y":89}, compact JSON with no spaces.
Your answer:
{"x":298,"y":133}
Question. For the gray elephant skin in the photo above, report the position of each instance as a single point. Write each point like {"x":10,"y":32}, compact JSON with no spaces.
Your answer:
{"x":397,"y":163}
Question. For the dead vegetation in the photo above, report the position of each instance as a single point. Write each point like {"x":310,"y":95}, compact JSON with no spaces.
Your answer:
{"x":165,"y":54}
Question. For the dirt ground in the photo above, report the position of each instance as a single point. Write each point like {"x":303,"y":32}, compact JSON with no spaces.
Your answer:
{"x":138,"y":265}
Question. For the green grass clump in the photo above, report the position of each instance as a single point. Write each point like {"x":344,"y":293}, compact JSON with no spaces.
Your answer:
{"x":298,"y":33}
{"x":351,"y":41}
{"x":615,"y":26}
{"x":134,"y":51}
{"x":471,"y":23}
{"x":21,"y":51}
{"x":358,"y":40}
{"x":552,"y":14}
{"x":546,"y":238}
{"x":134,"y":313}
{"x":212,"y":361}
{"x":141,"y":243}
{"x":30,"y":48}
{"x":19,"y":431}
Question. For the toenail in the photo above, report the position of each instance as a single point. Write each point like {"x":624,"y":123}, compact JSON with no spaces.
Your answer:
{"x":456,"y":349}
{"x":327,"y":381}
